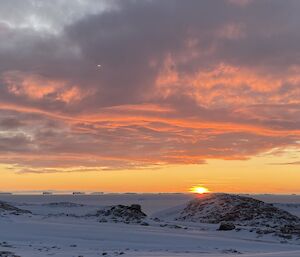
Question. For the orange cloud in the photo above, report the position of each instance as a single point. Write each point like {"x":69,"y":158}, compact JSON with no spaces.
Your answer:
{"x":32,"y":86}
{"x":36,"y":87}
{"x":199,"y":87}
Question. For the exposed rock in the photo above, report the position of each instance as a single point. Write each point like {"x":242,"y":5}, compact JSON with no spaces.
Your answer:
{"x":136,"y":207}
{"x":241,"y":210}
{"x":5,"y":207}
{"x":291,"y":229}
{"x":5,"y":244}
{"x":234,"y":210}
{"x":172,"y":226}
{"x":121,"y":213}
{"x":285,"y":236}
{"x":231,"y":251}
{"x":226,"y":226}
{"x":7,"y":254}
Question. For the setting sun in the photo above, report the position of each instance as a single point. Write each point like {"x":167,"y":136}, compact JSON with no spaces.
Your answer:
{"x":199,"y":190}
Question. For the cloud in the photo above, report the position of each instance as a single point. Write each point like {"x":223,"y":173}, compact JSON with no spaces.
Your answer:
{"x":287,"y":163}
{"x":180,"y":82}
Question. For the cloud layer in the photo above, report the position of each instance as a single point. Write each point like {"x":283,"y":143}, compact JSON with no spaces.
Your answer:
{"x":135,"y":84}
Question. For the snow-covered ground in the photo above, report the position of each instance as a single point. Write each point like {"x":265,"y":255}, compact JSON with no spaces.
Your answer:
{"x":66,"y":225}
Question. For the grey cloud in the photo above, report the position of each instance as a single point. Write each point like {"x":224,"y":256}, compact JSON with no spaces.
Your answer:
{"x":126,"y":39}
{"x":132,"y":41}
{"x":15,"y":143}
{"x":47,"y":15}
{"x":10,"y":123}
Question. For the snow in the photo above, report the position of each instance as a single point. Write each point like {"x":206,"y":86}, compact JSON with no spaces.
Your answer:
{"x":48,"y":233}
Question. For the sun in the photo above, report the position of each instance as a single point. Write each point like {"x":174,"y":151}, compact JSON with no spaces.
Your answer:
{"x":199,"y":190}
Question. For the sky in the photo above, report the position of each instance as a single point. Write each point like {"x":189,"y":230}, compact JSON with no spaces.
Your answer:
{"x":150,"y":96}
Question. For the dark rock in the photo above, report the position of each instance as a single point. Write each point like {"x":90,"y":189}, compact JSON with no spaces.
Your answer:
{"x":226,"y":226}
{"x":231,"y":251}
{"x":285,"y":236}
{"x":7,"y":254}
{"x":291,"y":229}
{"x":5,"y":207}
{"x":5,"y":244}
{"x":122,"y":213}
{"x":172,"y":226}
{"x":136,"y":207}
{"x":241,"y":210}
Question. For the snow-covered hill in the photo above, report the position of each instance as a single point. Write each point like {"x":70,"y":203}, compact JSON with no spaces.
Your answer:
{"x":214,"y":208}
{"x":242,"y":211}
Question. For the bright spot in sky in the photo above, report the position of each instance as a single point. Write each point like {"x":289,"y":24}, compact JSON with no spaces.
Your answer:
{"x":99,"y":65}
{"x":199,"y":190}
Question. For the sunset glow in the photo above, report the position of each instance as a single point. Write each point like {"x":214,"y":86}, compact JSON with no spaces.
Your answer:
{"x":109,"y":96}
{"x":199,"y":190}
{"x":149,"y":127}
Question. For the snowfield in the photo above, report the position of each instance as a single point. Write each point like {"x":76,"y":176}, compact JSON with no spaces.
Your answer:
{"x":113,"y":225}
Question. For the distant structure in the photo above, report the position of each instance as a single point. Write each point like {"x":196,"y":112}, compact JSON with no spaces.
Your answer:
{"x":5,"y":193}
{"x":97,"y":193}
{"x":78,"y":193}
{"x":47,"y":193}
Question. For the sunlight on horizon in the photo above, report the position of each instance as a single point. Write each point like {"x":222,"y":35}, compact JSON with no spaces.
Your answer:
{"x":199,"y":190}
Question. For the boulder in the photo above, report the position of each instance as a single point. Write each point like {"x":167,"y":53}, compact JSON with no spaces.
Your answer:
{"x":226,"y":226}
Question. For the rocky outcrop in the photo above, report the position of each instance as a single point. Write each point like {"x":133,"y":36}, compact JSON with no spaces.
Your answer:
{"x":122,"y":213}
{"x":226,"y":226}
{"x":8,"y":208}
{"x":7,"y":254}
{"x":241,"y":210}
{"x":291,"y":229}
{"x":233,"y":211}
